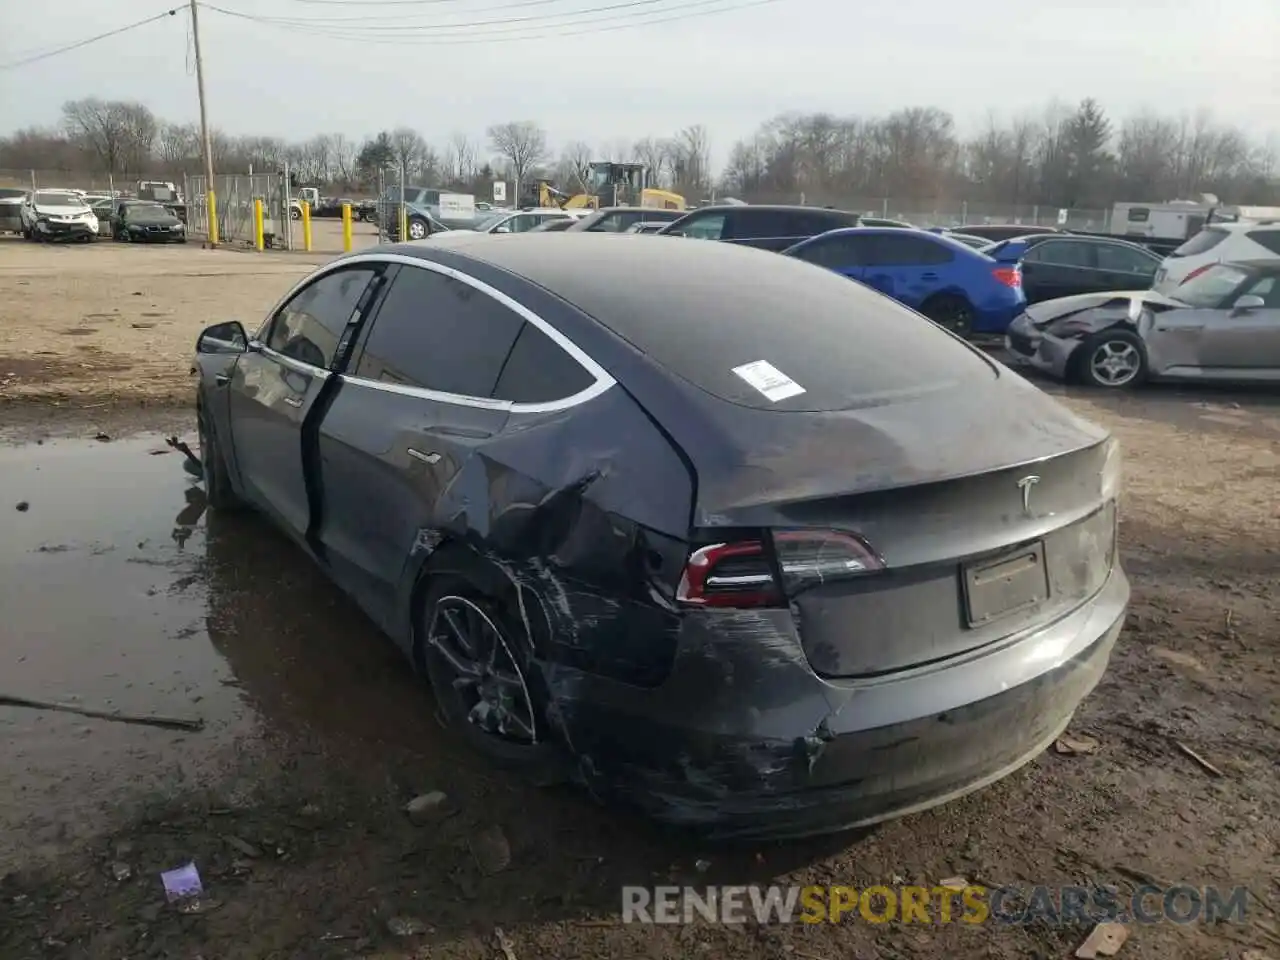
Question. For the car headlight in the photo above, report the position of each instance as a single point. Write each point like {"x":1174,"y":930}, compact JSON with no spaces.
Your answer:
{"x":1111,"y":472}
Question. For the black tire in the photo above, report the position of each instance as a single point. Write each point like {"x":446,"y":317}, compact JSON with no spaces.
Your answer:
{"x":419,"y":229}
{"x":1114,"y":359}
{"x":462,"y":589}
{"x":295,"y":214}
{"x":124,"y":237}
{"x":217,"y":482}
{"x":951,"y":312}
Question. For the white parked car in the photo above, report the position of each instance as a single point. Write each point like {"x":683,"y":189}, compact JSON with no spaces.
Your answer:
{"x":1219,"y":243}
{"x":58,"y":215}
{"x":519,"y":221}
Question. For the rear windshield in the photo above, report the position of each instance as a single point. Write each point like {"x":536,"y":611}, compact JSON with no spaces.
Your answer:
{"x":7,"y":193}
{"x":781,"y":325}
{"x":1202,"y":242}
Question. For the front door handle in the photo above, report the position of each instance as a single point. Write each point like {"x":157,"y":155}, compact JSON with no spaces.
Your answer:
{"x":222,"y":379}
{"x":293,"y":401}
{"x":430,"y":458}
{"x":928,"y":276}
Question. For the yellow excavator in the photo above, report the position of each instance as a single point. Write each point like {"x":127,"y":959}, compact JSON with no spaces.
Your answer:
{"x":611,"y":185}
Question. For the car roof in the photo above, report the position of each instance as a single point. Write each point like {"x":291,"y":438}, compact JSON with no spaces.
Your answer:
{"x":609,"y":275}
{"x":784,"y":207}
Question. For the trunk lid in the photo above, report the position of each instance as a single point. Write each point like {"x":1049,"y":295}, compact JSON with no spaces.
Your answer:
{"x":986,"y":504}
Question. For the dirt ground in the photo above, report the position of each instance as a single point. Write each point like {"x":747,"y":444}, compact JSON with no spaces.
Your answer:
{"x":290,"y":800}
{"x":107,"y":325}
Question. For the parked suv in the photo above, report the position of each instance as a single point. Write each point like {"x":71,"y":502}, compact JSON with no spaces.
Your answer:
{"x":1220,"y":243}
{"x":11,"y":200}
{"x":58,"y":215}
{"x":769,"y":227}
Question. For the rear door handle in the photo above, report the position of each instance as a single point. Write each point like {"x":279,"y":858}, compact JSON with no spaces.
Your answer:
{"x":431,"y":458}
{"x":928,"y":276}
{"x":293,"y":401}
{"x":222,"y":379}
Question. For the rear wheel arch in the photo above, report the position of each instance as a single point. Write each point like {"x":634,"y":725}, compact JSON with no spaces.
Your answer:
{"x":491,"y":578}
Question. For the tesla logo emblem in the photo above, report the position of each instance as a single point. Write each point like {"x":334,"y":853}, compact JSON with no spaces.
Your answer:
{"x":1025,"y":485}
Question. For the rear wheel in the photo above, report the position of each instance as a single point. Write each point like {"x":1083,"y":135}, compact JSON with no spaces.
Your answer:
{"x":418,"y":229}
{"x":1114,"y":359}
{"x":481,"y":669}
{"x":950,"y":311}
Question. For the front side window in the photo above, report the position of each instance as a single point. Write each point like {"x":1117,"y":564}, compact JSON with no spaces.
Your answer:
{"x":900,"y":249}
{"x":837,"y":253}
{"x":1268,"y":288}
{"x":1059,"y":254}
{"x":309,"y":327}
{"x":438,"y":333}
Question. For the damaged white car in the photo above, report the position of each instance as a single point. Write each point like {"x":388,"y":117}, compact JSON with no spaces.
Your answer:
{"x":1223,"y":325}
{"x":58,"y":215}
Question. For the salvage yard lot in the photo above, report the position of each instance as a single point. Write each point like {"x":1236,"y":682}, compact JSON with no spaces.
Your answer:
{"x":316,"y":736}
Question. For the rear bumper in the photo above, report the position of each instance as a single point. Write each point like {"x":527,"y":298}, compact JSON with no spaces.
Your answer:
{"x":995,"y":319}
{"x":745,"y":741}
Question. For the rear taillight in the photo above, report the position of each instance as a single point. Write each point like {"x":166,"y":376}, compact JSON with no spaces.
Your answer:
{"x":1195,"y":273}
{"x":1009,"y":276}
{"x":743,"y":574}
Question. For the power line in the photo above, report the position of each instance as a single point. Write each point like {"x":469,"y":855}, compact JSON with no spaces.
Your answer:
{"x":400,"y":28}
{"x":631,"y":21}
{"x":398,"y":20}
{"x":84,"y":43}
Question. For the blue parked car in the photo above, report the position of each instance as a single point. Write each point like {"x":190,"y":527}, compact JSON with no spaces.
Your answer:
{"x":952,"y":284}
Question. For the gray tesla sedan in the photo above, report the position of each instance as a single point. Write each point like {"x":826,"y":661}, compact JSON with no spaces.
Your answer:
{"x":755,"y":549}
{"x":1222,"y":324}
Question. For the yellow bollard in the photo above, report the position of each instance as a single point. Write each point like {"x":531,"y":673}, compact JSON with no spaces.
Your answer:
{"x":212,"y":203}
{"x":306,"y":226}
{"x":258,"y":239}
{"x":404,"y":222}
{"x":346,"y":228}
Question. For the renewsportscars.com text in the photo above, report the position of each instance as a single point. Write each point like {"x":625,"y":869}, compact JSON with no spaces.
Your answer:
{"x":968,"y":904}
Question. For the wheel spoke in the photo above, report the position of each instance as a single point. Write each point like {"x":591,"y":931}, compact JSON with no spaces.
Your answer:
{"x":460,"y":633}
{"x":464,"y":668}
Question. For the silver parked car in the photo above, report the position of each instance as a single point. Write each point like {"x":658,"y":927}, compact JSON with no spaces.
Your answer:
{"x":1223,"y":325}
{"x":11,"y":200}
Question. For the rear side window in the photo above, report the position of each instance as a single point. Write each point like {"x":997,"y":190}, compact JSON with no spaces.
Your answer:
{"x":1118,"y":259}
{"x":1139,"y":215}
{"x":1268,"y":239}
{"x":710,"y":227}
{"x":1202,"y":242}
{"x":903,"y":250}
{"x":309,"y":327}
{"x":538,"y":371}
{"x":1059,"y":253}
{"x":748,"y":224}
{"x":438,"y":333}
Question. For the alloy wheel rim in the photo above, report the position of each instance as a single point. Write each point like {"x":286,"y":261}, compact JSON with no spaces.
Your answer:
{"x":1115,"y":362}
{"x":417,"y":231}
{"x":485,"y":673}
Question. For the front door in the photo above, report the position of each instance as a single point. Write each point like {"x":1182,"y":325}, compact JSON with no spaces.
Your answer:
{"x":1245,"y":344}
{"x":276,"y":384}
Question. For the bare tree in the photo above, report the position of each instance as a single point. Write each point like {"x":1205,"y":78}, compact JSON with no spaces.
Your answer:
{"x":409,"y":150}
{"x":650,"y":152}
{"x":575,"y":163}
{"x":522,"y":144}
{"x":102,"y":126}
{"x":177,"y":144}
{"x":344,"y":157}
{"x":461,"y":164}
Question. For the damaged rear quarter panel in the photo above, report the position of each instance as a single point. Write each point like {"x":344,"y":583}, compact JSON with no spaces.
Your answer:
{"x":585,"y":511}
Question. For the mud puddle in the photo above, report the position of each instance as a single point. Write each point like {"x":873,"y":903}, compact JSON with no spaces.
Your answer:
{"x":120,"y":593}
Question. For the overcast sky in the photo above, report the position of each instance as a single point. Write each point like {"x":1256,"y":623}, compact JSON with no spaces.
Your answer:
{"x":728,"y":71}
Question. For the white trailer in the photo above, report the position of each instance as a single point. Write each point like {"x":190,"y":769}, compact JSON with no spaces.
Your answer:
{"x":1176,"y":220}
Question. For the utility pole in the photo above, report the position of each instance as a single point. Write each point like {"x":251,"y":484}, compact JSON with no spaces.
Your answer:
{"x":211,"y":203}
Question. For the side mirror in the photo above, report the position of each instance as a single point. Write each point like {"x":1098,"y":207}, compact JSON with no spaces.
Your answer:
{"x":502,"y":228}
{"x":223,"y":338}
{"x":674,"y":233}
{"x":1248,"y":302}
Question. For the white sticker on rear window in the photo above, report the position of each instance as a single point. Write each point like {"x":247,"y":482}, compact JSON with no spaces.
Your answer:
{"x":769,"y":380}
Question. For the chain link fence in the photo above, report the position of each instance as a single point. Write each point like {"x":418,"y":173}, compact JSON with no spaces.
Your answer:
{"x":947,"y":213}
{"x":235,"y":194}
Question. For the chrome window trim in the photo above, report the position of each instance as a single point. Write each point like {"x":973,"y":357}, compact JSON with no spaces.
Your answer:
{"x":295,"y":365}
{"x":602,"y":379}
